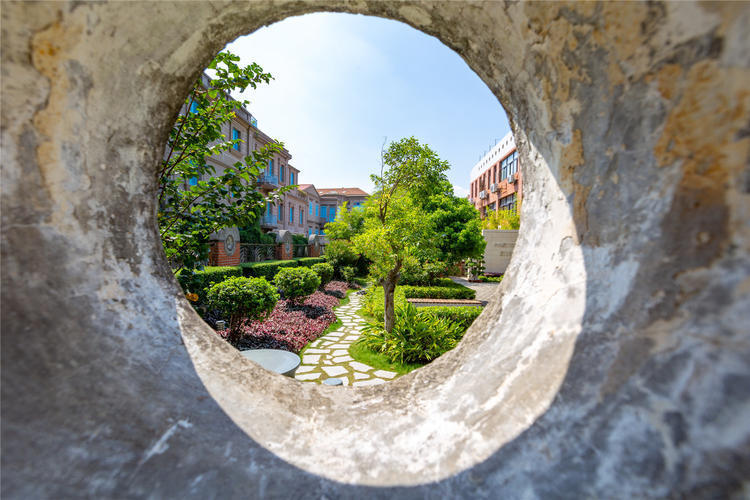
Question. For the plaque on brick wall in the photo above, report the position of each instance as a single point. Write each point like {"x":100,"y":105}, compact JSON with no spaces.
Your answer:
{"x":229,"y":236}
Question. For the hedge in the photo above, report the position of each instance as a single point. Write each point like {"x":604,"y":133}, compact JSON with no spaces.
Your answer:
{"x":438,"y":292}
{"x":201,"y":280}
{"x":309,"y":261}
{"x":267,"y":269}
{"x":463,"y":315}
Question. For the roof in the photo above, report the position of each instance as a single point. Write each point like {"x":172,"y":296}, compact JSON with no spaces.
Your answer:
{"x":308,"y":188}
{"x":342,"y":191}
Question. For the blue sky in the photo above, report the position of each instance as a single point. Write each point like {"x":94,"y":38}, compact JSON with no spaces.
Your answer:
{"x":345,"y":82}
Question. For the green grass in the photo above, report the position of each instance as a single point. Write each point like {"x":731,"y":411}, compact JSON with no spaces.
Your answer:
{"x":379,"y":361}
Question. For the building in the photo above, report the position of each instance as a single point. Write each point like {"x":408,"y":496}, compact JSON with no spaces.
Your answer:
{"x":496,"y":182}
{"x":332,"y":199}
{"x":304,"y":210}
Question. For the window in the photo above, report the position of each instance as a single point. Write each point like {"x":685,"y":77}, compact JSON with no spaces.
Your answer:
{"x":332,"y":213}
{"x":291,"y":177}
{"x":291,"y":215}
{"x":280,"y":213}
{"x":323,"y":212}
{"x":270,"y":167}
{"x":193,"y":181}
{"x":281,"y":173}
{"x":508,"y":203}
{"x":235,"y":136}
{"x":193,"y":107}
{"x":310,"y":207}
{"x":268,"y":209}
{"x":317,"y":210}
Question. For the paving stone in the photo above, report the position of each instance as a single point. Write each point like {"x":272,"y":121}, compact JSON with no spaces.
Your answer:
{"x":374,"y":381}
{"x":352,"y":337}
{"x":317,"y":351}
{"x":342,"y":359}
{"x":310,"y":359}
{"x":332,"y":371}
{"x":360,"y":366}
{"x":307,"y":376}
{"x":326,"y":362}
{"x":339,"y":345}
{"x":340,"y":352}
{"x":360,"y":376}
{"x":304,"y":369}
{"x":385,"y":374}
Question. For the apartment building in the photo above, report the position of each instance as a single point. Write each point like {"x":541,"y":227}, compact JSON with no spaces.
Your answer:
{"x":332,"y":200}
{"x":304,"y":210}
{"x":496,"y":182}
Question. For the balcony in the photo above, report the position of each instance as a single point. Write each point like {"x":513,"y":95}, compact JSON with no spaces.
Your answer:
{"x":268,"y":221}
{"x":268,"y":181}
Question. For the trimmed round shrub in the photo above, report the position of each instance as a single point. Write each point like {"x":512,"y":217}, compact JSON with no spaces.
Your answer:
{"x":242,"y":298}
{"x":348,"y":273}
{"x":296,"y":282}
{"x":325,"y":271}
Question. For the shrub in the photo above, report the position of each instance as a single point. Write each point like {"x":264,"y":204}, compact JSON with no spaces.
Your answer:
{"x":415,"y":272}
{"x":253,"y":234}
{"x":340,"y":253}
{"x":348,"y":273}
{"x":242,"y":298}
{"x":296,"y":282}
{"x":325,"y":271}
{"x":309,"y":261}
{"x":416,"y":337}
{"x":438,"y":292}
{"x":199,"y":281}
{"x":462,"y":316}
{"x":298,"y":239}
{"x":267,"y":269}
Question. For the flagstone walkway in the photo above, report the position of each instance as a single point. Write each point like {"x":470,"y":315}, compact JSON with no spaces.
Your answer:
{"x":328,"y":356}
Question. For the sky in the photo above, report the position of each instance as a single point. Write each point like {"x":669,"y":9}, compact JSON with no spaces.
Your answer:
{"x":344,"y":83}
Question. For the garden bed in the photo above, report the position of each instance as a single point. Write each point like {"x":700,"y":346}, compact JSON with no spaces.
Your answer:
{"x":291,"y":326}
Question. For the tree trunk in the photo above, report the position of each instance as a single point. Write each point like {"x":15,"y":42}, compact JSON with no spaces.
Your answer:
{"x":389,"y":288}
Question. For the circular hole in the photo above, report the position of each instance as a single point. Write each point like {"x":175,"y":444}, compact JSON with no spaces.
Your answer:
{"x":447,"y":416}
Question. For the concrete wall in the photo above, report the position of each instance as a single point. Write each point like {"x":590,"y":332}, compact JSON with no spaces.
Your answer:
{"x":499,"y":249}
{"x":613,"y":362}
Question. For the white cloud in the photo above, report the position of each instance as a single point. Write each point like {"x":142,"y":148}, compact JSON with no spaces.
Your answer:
{"x":460,"y":192}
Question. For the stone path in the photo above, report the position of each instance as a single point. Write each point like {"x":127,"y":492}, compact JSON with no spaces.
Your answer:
{"x":328,"y":356}
{"x":485,"y":291}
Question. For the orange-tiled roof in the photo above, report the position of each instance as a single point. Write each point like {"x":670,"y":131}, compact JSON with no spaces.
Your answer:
{"x":344,"y":191}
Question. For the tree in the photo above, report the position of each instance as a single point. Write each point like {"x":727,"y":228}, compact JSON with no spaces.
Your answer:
{"x":395,"y":225}
{"x":503,"y":219}
{"x":459,"y":227}
{"x":347,"y":224}
{"x":195,"y":200}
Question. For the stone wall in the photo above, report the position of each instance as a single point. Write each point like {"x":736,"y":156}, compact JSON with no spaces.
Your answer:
{"x":613,"y":362}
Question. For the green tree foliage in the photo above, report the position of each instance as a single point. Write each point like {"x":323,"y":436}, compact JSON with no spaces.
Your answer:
{"x":503,"y":219}
{"x":195,"y":200}
{"x":348,"y":223}
{"x":242,"y":299}
{"x":296,"y":282}
{"x":341,"y":253}
{"x":458,"y":225}
{"x":395,"y":225}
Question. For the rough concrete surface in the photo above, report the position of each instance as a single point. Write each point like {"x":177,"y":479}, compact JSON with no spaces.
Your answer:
{"x":613,"y":362}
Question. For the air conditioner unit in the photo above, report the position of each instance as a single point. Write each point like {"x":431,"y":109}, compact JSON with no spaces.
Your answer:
{"x":493,"y":188}
{"x":482,"y":195}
